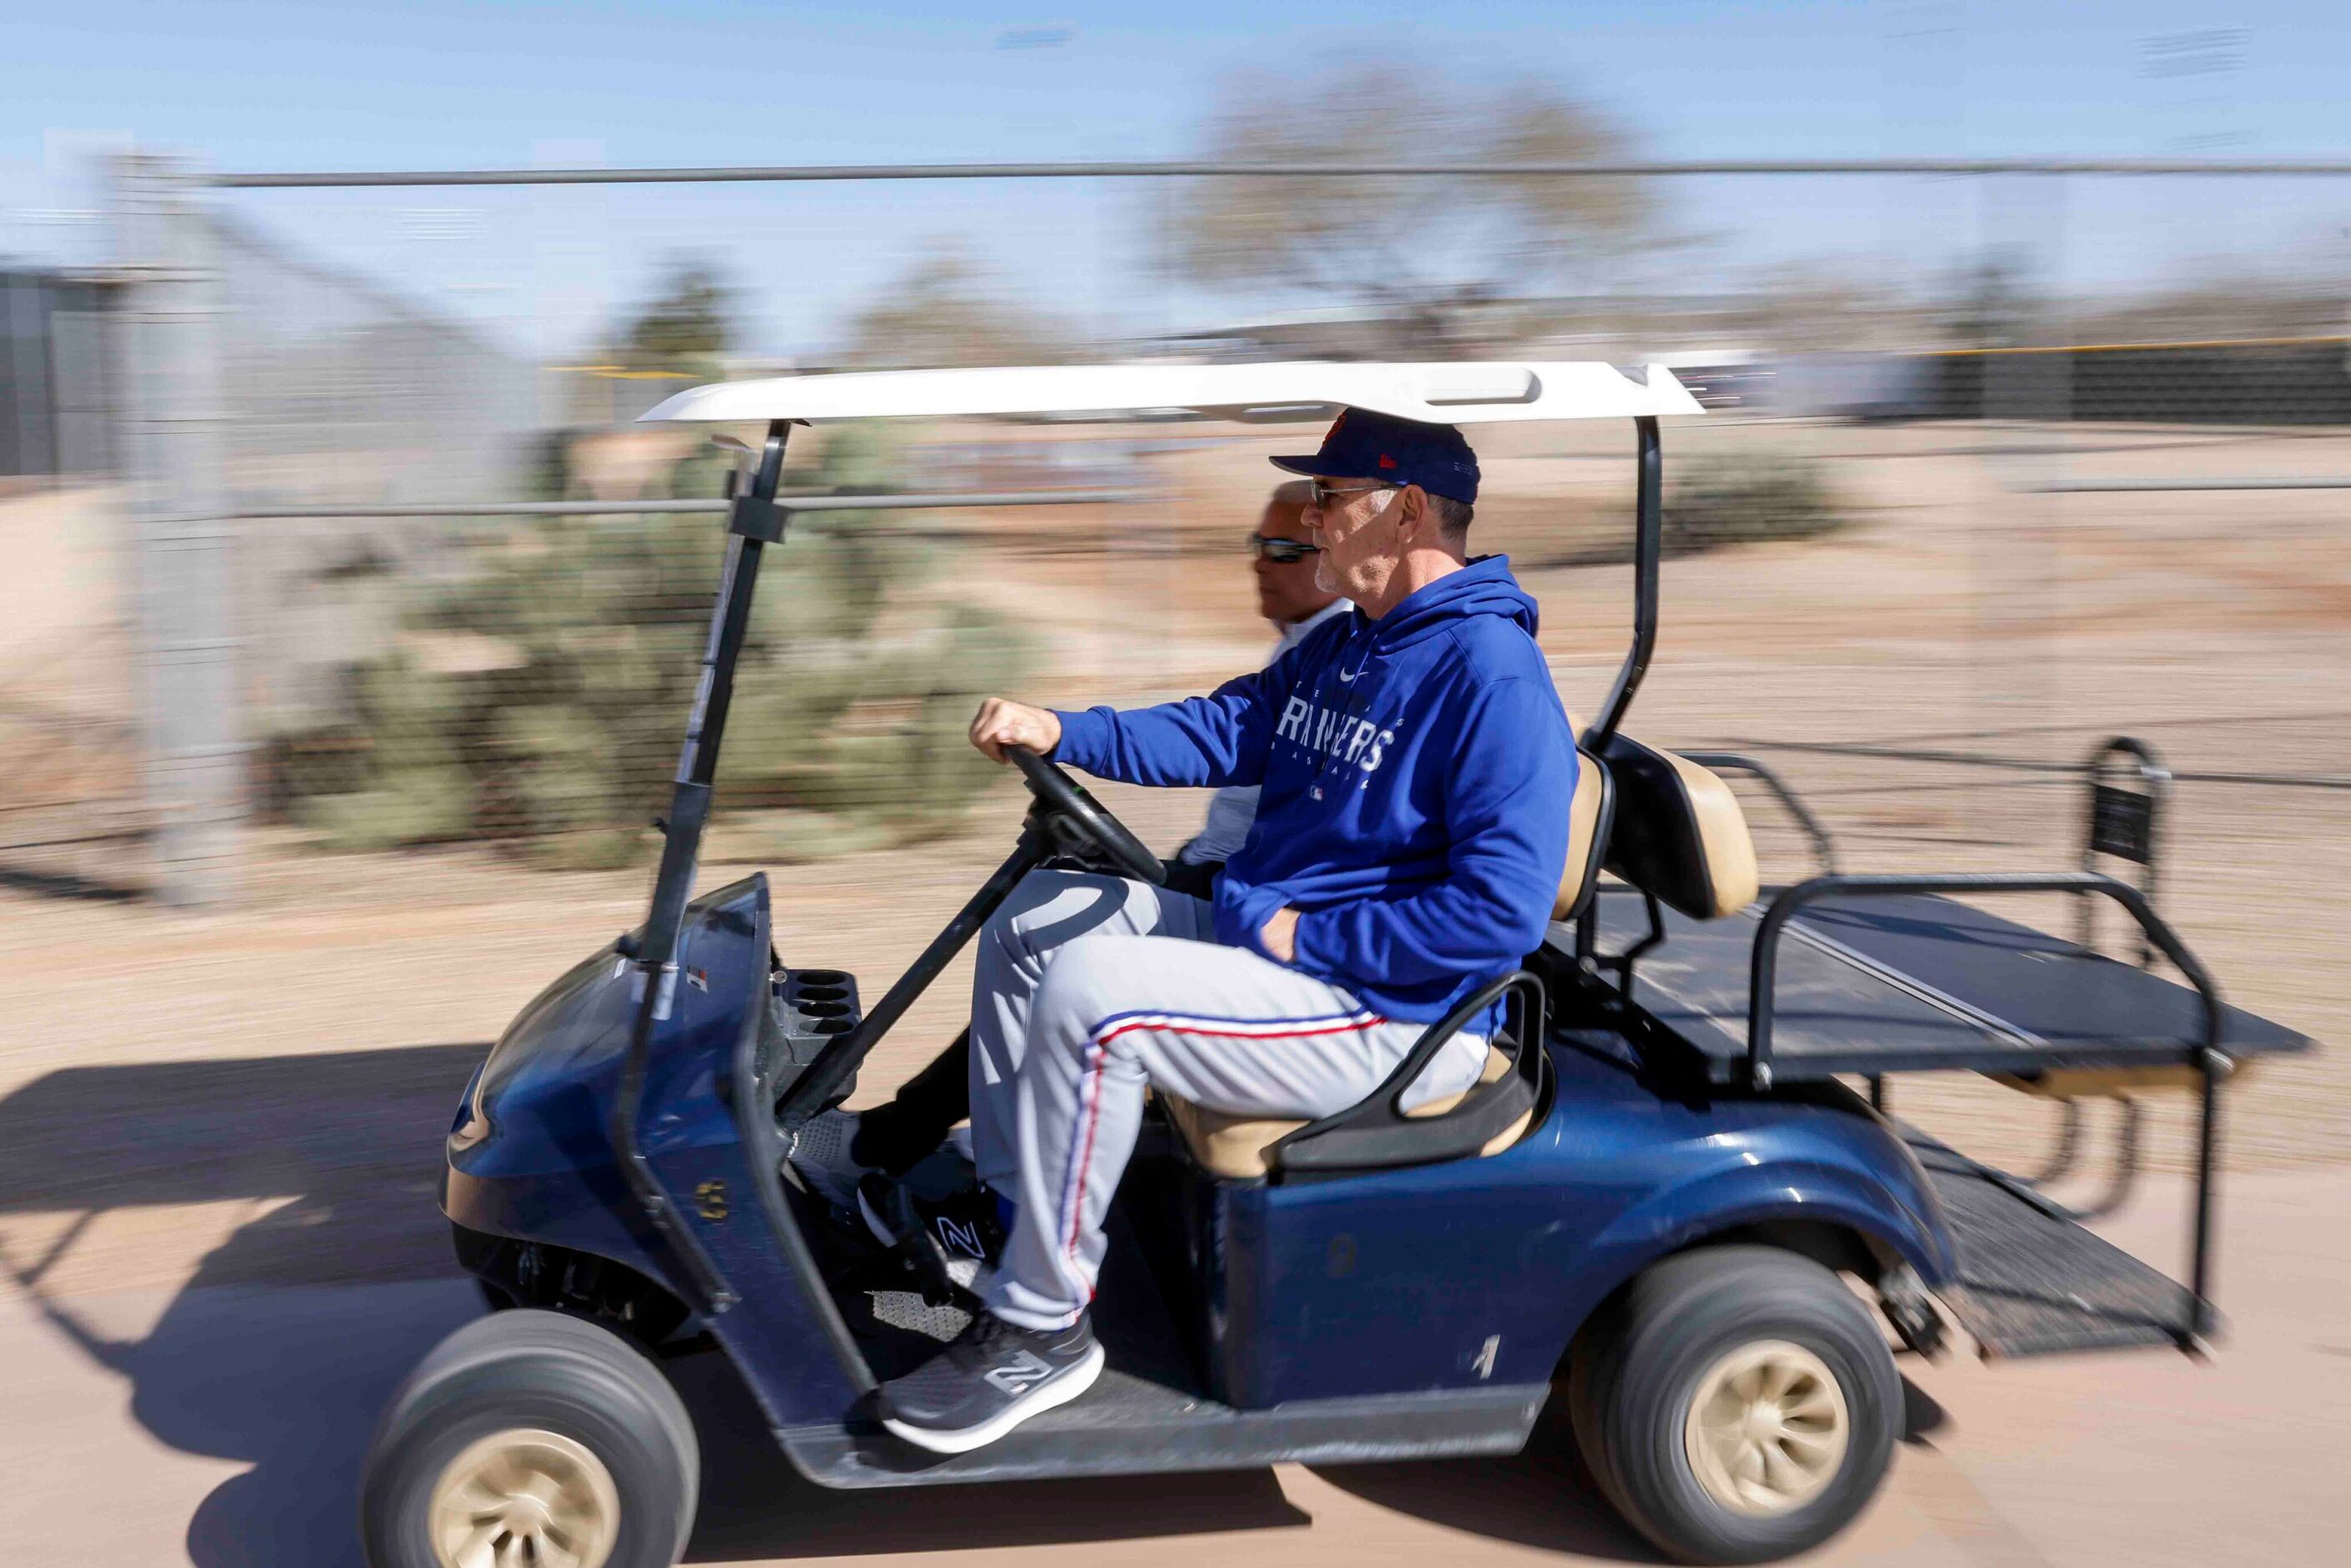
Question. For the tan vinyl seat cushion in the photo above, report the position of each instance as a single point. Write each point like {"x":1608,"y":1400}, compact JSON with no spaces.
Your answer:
{"x":1582,"y":833}
{"x":1235,"y":1146}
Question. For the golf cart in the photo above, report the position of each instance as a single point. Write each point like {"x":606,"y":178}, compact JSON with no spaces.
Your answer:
{"x":1656,"y":1205}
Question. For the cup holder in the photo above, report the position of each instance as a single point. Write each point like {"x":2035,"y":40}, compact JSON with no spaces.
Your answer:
{"x":823,"y":993}
{"x":822,"y":977}
{"x":824,"y":1009}
{"x":829,"y":1026}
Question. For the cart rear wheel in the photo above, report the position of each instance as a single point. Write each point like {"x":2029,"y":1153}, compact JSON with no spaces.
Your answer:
{"x":1737,"y":1404}
{"x":531,"y":1439}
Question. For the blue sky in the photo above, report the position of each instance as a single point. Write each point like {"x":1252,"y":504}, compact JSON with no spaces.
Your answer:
{"x":267,"y":85}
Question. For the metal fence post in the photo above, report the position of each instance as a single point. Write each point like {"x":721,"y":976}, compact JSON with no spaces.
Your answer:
{"x":182,"y":543}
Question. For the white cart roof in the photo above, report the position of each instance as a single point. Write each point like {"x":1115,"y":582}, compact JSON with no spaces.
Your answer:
{"x":1477,"y":391}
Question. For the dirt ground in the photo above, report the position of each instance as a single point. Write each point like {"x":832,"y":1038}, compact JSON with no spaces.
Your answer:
{"x":251,"y":1100}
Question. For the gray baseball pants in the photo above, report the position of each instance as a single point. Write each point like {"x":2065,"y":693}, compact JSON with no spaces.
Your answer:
{"x":1090,"y":989}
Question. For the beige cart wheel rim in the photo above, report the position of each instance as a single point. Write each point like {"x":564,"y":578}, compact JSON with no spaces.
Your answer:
{"x":1767,"y":1429}
{"x":524,"y":1498}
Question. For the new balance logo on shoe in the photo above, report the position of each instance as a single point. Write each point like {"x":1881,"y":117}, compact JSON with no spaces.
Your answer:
{"x":992,"y":1378}
{"x":1024,"y":1371}
{"x":961,"y":1237}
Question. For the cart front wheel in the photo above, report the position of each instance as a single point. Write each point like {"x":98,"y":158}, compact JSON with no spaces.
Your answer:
{"x":531,"y":1439}
{"x":1737,"y":1405}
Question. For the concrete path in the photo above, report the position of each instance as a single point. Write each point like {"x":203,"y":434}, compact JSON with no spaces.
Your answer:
{"x":223,"y":1425}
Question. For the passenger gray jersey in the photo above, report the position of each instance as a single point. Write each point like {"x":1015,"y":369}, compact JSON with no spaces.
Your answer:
{"x":1234,"y":808}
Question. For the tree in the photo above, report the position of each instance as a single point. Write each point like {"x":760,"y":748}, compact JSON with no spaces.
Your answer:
{"x":686,"y":326}
{"x":947,"y":311}
{"x":1421,"y":253}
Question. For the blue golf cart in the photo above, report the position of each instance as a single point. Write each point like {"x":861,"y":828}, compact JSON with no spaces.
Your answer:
{"x":1657,"y":1206}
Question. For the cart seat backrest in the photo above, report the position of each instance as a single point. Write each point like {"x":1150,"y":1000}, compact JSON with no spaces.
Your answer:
{"x":1678,"y":832}
{"x":1582,"y":871}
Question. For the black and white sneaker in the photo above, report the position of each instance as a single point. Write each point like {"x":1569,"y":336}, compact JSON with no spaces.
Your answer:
{"x":959,"y":1227}
{"x":991,"y":1378}
{"x":820,"y":1156}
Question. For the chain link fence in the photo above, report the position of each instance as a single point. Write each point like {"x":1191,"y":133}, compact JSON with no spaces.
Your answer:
{"x":1889,"y":534}
{"x":212,"y":374}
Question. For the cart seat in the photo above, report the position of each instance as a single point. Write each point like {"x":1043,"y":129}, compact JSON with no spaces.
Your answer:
{"x":1678,"y":832}
{"x":1235,"y":1146}
{"x":1583,"y":813}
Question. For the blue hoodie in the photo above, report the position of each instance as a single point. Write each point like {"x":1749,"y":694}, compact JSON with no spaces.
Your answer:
{"x":1416,"y":771}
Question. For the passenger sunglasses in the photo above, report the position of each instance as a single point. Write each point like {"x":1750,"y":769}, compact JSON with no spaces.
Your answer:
{"x":1281,"y":552}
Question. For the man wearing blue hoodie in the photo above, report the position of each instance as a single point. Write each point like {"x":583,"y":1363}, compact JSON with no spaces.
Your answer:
{"x":1416,"y":769}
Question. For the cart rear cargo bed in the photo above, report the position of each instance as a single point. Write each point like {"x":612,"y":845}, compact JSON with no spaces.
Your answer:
{"x":1913,"y":983}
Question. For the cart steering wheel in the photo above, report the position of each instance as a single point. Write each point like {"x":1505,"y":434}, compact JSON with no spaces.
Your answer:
{"x":1064,"y":798}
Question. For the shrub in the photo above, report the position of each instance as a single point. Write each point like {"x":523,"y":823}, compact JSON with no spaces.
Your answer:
{"x":578,"y":641}
{"x":1709,"y":503}
{"x":1736,"y":501}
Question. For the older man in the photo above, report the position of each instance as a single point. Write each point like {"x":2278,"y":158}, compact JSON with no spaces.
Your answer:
{"x":1415,"y":769}
{"x":840,"y":1152}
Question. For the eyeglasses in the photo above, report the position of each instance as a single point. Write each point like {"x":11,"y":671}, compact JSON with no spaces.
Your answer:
{"x":1281,"y":552}
{"x":1325,"y":496}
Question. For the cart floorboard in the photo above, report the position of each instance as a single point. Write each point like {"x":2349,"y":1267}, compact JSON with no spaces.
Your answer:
{"x":2031,"y":1282}
{"x":1151,"y":1411}
{"x":1128,"y":1425}
{"x":1912,"y":983}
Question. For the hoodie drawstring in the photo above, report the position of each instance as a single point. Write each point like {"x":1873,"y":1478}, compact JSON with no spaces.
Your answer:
{"x":1356,"y":696}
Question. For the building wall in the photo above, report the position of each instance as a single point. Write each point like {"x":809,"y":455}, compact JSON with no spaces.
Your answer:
{"x":53,"y":377}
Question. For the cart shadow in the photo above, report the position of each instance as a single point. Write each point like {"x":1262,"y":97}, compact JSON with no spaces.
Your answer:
{"x":1542,"y":1495}
{"x":280,"y":1350}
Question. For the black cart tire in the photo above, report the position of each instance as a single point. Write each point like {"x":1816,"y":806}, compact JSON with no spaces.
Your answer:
{"x":1736,"y":1404}
{"x":530,"y":1437}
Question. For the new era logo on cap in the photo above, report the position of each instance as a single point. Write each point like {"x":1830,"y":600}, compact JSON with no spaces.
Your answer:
{"x":1364,"y":444}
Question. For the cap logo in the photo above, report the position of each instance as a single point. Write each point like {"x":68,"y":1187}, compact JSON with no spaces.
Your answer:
{"x":1387,"y":461}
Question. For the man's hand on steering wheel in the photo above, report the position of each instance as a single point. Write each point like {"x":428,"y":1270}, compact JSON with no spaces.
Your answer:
{"x":1001,"y":722}
{"x":1020,"y":734}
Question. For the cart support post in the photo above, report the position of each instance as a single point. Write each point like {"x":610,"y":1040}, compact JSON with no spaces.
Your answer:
{"x":656,"y":953}
{"x":1649,"y":557}
{"x":2211,"y":1067}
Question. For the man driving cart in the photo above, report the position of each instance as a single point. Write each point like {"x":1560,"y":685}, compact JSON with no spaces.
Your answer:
{"x":1415,"y":769}
{"x":850,"y":1158}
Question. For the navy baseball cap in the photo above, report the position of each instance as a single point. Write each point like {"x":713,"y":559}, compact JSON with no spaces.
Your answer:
{"x":1361,"y":445}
